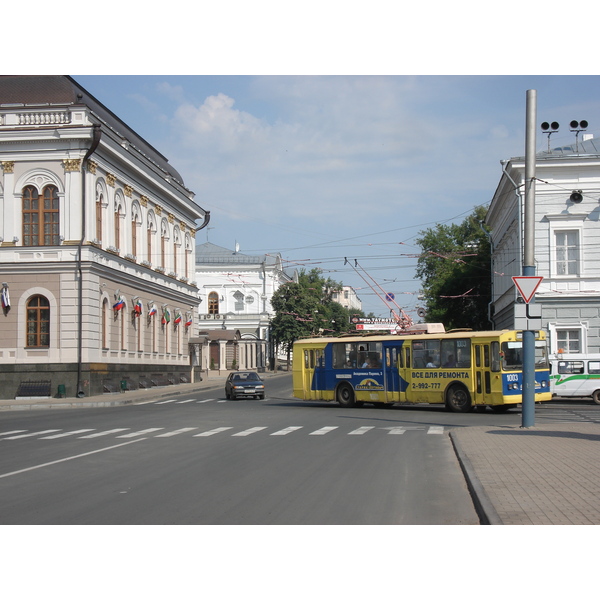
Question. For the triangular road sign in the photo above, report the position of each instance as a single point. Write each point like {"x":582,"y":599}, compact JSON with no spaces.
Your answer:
{"x":527,"y":286}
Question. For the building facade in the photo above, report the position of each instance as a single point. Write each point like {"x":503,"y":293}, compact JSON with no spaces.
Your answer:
{"x":97,"y":248}
{"x":567,"y":244}
{"x":348,"y":298}
{"x":235,"y":294}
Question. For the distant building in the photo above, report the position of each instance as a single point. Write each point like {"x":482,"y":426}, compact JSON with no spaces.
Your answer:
{"x":97,"y":248}
{"x":235,"y":292}
{"x":567,"y":244}
{"x":347,"y":298}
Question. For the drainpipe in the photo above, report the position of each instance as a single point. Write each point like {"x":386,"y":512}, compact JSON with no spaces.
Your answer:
{"x":96,"y":132}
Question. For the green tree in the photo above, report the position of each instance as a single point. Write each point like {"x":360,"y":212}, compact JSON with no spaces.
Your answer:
{"x":455,"y":270}
{"x":306,"y":309}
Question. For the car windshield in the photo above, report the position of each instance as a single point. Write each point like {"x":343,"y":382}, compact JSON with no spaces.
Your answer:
{"x":246,"y":377}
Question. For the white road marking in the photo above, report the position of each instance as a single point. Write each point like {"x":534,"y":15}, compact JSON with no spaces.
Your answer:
{"x":186,"y":401}
{"x":24,"y":435}
{"x":13,"y":432}
{"x":203,"y":401}
{"x":166,"y":401}
{"x":142,"y":432}
{"x":396,"y":430}
{"x":249,"y":431}
{"x":61,"y":435}
{"x":323,"y":430}
{"x":435,"y":429}
{"x":176,"y":432}
{"x":287,"y":430}
{"x":361,"y":430}
{"x":212,"y":431}
{"x":54,"y":462}
{"x":101,"y":433}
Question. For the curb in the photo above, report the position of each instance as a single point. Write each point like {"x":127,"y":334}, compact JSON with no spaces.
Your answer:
{"x":483,"y":505}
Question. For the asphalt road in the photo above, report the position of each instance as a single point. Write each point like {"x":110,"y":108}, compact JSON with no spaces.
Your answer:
{"x":204,"y":460}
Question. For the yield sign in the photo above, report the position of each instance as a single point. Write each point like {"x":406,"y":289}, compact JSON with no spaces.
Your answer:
{"x":527,"y":286}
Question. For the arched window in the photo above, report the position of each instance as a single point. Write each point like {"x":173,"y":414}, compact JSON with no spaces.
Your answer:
{"x":40,"y":216}
{"x":213,"y":303}
{"x":105,"y":322}
{"x":99,"y":207}
{"x":38,"y":322}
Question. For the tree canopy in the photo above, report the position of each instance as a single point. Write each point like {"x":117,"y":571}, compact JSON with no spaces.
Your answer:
{"x":455,"y":270}
{"x":306,"y":309}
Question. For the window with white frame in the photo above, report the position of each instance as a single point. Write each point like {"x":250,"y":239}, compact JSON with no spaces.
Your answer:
{"x":568,"y":340}
{"x":567,"y":252}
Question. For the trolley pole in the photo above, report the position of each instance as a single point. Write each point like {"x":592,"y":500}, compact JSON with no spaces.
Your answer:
{"x":528,"y":392}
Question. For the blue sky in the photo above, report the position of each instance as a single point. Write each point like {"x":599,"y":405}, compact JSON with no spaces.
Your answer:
{"x":320,"y":168}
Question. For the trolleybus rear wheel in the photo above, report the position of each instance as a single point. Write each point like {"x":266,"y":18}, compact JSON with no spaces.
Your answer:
{"x":596,"y":396}
{"x":345,"y":395}
{"x":458,"y":399}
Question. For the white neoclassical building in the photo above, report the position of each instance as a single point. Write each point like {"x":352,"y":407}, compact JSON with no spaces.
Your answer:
{"x":234,"y":310}
{"x":97,"y":252}
{"x":567,"y":244}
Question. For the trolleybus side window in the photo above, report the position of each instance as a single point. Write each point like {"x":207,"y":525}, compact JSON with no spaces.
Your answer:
{"x":356,"y":356}
{"x":426,"y":352}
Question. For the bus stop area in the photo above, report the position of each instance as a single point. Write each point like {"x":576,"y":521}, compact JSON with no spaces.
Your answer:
{"x":543,"y":475}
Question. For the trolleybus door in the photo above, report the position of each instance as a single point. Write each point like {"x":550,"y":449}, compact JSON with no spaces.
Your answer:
{"x":482,"y":386}
{"x":314,"y":376}
{"x":392,"y":377}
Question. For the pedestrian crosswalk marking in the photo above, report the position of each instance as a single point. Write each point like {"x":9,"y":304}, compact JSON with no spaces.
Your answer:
{"x":323,"y":430}
{"x":212,"y":431}
{"x":101,"y":433}
{"x":142,"y":432}
{"x":287,"y":430}
{"x":435,"y":430}
{"x":249,"y":431}
{"x":167,"y":401}
{"x":24,"y":435}
{"x":361,"y":430}
{"x":396,"y":430}
{"x":67,"y":433}
{"x":125,"y":432}
{"x":176,"y":432}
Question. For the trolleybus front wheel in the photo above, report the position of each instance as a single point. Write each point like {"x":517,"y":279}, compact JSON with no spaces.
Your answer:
{"x":458,"y":399}
{"x":596,"y":396}
{"x":345,"y":396}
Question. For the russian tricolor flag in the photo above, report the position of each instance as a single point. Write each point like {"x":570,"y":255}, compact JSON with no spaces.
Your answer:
{"x":119,"y":304}
{"x":152,"y":311}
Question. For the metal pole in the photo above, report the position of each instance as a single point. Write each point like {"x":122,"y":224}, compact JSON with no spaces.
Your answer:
{"x":528,"y":392}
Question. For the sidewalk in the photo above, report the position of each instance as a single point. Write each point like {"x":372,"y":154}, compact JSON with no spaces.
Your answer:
{"x":544,"y":475}
{"x":214,"y":380}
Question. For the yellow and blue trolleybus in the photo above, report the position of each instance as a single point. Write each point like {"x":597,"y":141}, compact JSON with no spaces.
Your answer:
{"x":461,"y":369}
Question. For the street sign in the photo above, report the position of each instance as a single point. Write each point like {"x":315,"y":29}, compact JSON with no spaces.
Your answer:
{"x":527,"y":286}
{"x":528,"y":317}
